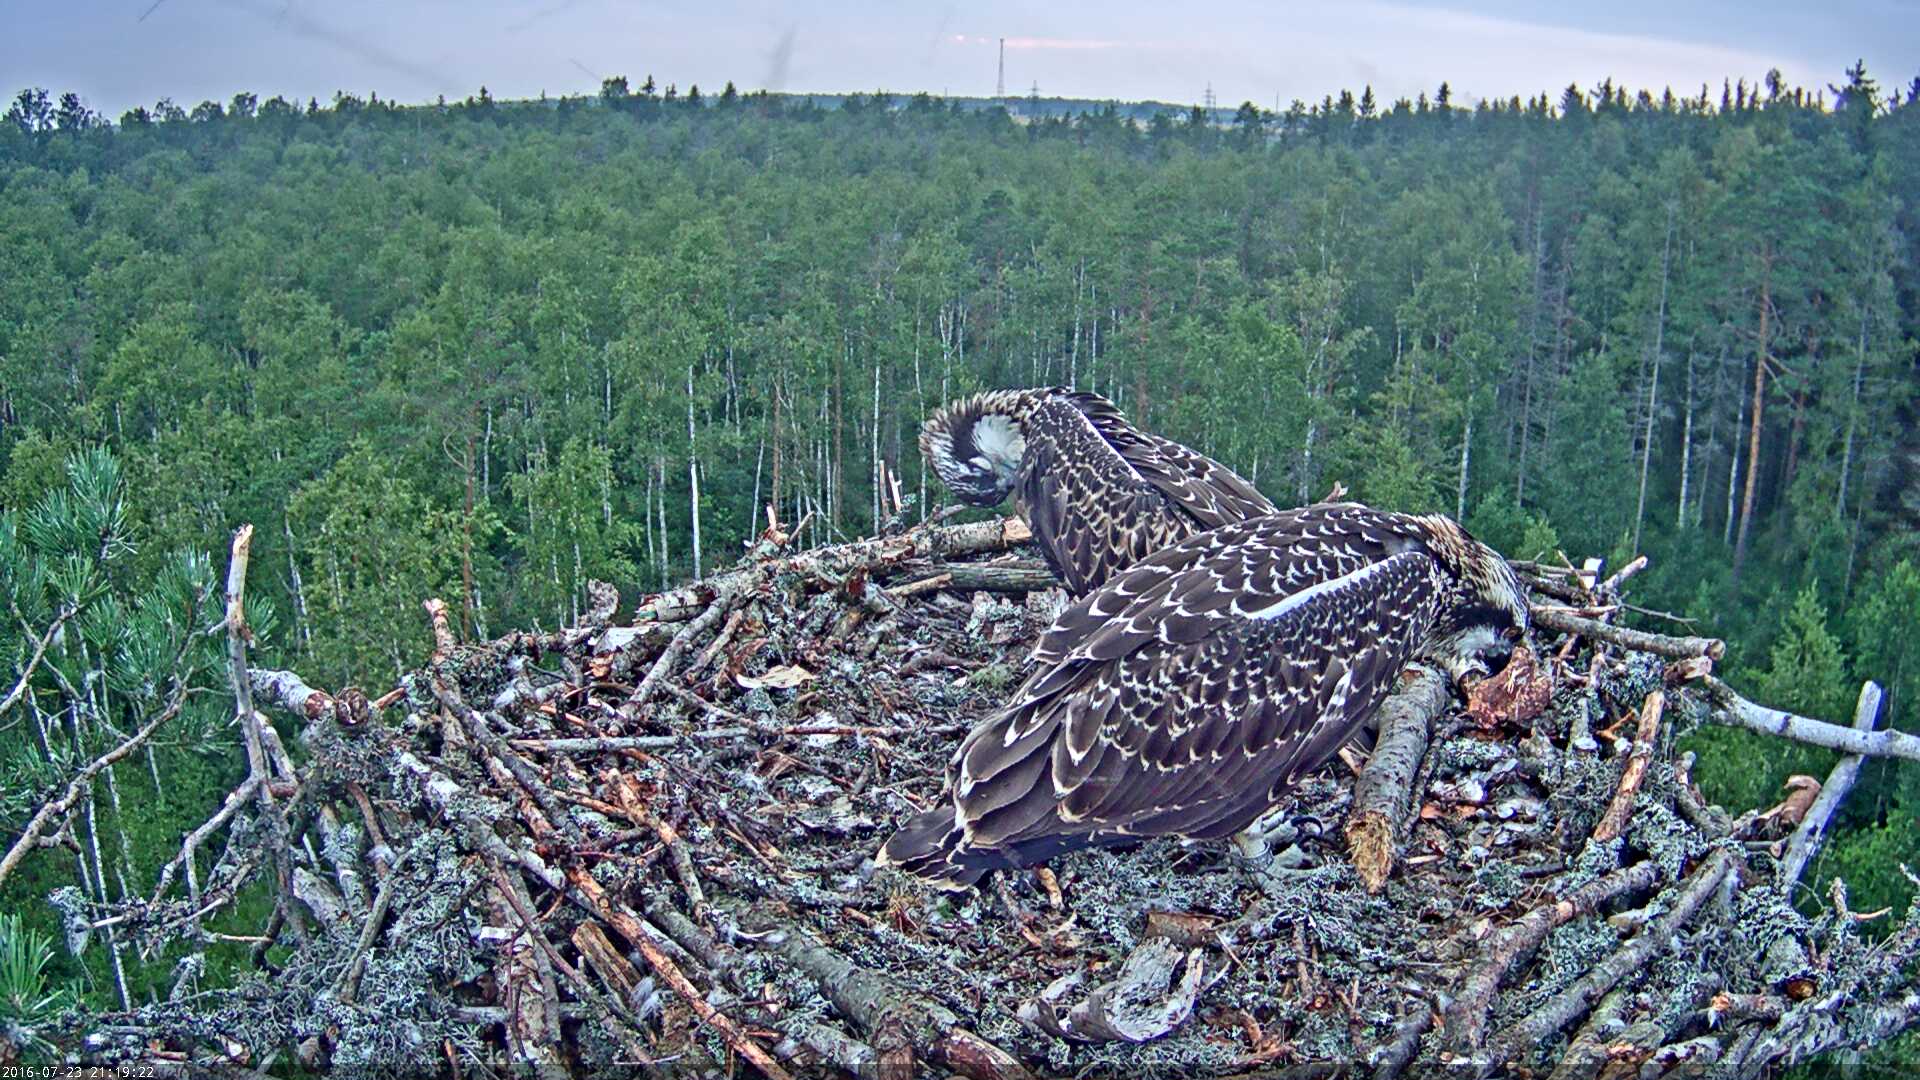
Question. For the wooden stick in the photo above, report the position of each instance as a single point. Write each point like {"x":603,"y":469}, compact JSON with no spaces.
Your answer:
{"x":1736,"y":711}
{"x":670,"y":656}
{"x":1812,"y":831}
{"x":589,"y":894}
{"x":291,"y":692}
{"x":274,"y":818}
{"x":1572,"y":1002}
{"x":1382,"y":792}
{"x":443,"y":641}
{"x":973,"y":538}
{"x":918,"y":586}
{"x":1466,"y":1016}
{"x":615,"y":1015}
{"x":1613,"y":583}
{"x":611,"y":743}
{"x":1614,"y":820}
{"x":874,"y":1003}
{"x":1673,"y":648}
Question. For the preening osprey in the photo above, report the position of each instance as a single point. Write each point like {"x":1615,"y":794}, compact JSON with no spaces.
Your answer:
{"x":1098,"y":493}
{"x":1188,"y":694}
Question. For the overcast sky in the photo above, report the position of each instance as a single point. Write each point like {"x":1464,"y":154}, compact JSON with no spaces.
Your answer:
{"x":120,"y":54}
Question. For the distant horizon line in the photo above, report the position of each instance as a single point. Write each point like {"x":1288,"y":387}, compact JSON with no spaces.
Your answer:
{"x":1461,"y":100}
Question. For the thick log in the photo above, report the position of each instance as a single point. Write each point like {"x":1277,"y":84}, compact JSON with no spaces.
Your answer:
{"x":1023,"y":576}
{"x":1573,"y":1002}
{"x":1383,"y":791}
{"x":874,"y":1003}
{"x":1812,"y":831}
{"x":1735,"y":711}
{"x":1674,"y":648}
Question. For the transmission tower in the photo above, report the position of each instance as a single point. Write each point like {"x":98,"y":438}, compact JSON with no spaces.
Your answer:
{"x":1209,"y":99}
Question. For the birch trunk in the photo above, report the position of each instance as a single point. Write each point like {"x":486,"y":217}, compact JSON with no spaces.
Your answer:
{"x":693,"y":476}
{"x":1853,"y":420}
{"x":1653,"y":383}
{"x":1733,"y":471}
{"x":1686,"y":448}
{"x":1758,"y":414}
{"x":1466,"y":453}
{"x":660,"y":492}
{"x":302,"y":629}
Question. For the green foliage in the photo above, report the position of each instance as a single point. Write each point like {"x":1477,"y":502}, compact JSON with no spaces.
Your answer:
{"x":378,"y":554}
{"x":1520,"y":534}
{"x":26,"y":998}
{"x":483,"y":350}
{"x":570,"y":537}
{"x":1807,"y":671}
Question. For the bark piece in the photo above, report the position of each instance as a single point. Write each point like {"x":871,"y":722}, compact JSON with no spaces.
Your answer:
{"x":1383,"y":791}
{"x":1153,"y":994}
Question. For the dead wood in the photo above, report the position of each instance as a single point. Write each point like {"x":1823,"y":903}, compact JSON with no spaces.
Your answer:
{"x":1614,"y":820}
{"x":1812,"y":830}
{"x":567,"y":870}
{"x":1466,"y":1016}
{"x":1382,"y":792}
{"x":1735,"y":711}
{"x":1674,"y":648}
{"x":1574,"y":1001}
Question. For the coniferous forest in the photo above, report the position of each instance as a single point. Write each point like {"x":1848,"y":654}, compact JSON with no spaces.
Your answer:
{"x":492,"y":350}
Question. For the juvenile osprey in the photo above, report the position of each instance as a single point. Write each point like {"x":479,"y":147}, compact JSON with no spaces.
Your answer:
{"x":1187,"y":695}
{"x":1098,"y":493}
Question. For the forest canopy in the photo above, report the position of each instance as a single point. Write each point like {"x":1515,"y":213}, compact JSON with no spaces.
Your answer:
{"x":494,"y":350}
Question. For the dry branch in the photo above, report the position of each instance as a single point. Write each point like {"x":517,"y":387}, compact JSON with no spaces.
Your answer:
{"x":1614,"y":820}
{"x":587,"y":892}
{"x":1674,"y":648}
{"x":1812,"y":830}
{"x":875,"y":1002}
{"x":1574,"y":1001}
{"x":258,"y":772}
{"x":1383,"y":790}
{"x":1466,"y":1016}
{"x":944,"y":541}
{"x":1736,"y":711}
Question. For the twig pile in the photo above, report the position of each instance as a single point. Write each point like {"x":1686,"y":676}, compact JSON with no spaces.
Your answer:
{"x":650,"y":843}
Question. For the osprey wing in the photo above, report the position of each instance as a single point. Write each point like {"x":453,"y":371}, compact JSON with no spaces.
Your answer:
{"x":1093,"y":511}
{"x":1186,"y":696}
{"x":1209,"y":492}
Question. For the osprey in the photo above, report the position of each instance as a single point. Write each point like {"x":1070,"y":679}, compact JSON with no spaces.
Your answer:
{"x":1098,"y":493}
{"x":1186,"y":696}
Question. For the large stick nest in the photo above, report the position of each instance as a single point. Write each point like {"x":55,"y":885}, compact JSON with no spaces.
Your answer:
{"x":651,"y":842}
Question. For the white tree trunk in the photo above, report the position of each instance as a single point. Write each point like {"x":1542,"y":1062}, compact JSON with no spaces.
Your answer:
{"x":1853,"y":419}
{"x":1686,"y":448}
{"x":693,"y":476}
{"x":1653,"y":384}
{"x":1466,"y":453}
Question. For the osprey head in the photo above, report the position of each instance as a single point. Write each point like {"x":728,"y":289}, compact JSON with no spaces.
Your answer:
{"x":1484,"y":616}
{"x":976,"y":445}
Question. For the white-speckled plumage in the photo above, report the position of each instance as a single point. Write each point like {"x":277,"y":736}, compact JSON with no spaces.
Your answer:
{"x":1098,"y":493}
{"x":1193,"y":689}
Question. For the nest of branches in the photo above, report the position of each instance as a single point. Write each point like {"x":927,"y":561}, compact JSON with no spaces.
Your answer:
{"x":649,"y":841}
